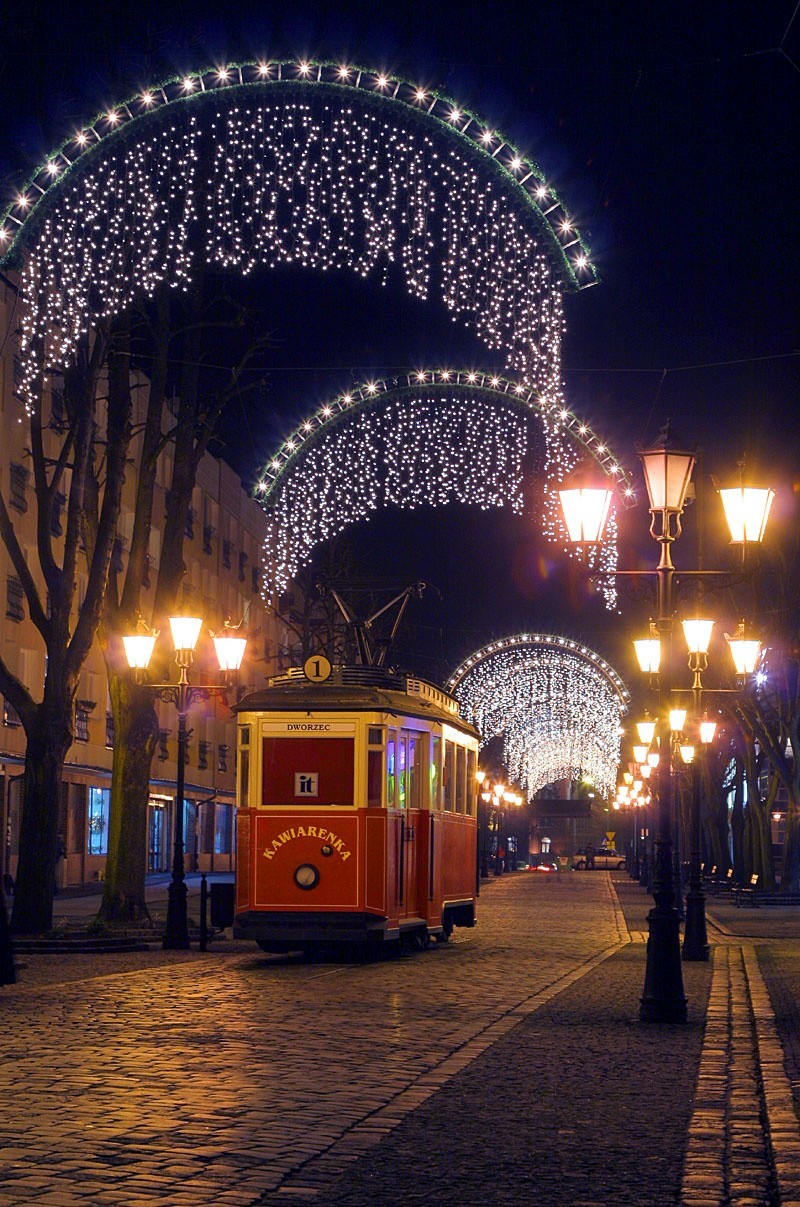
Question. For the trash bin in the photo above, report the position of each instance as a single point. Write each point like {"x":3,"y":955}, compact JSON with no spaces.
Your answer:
{"x":222,"y":898}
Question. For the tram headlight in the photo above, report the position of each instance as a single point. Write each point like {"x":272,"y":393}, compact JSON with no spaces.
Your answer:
{"x":306,"y":876}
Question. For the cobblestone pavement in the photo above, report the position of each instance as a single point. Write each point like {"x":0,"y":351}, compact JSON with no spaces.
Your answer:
{"x":215,"y":1078}
{"x":507,"y":1067}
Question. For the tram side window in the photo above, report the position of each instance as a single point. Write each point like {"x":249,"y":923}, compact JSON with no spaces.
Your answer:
{"x":402,"y":771}
{"x":449,"y":776}
{"x":436,"y":779}
{"x":415,"y":748}
{"x":374,"y":767}
{"x":461,"y":779}
{"x":244,"y":765}
{"x":472,"y":767}
{"x":391,"y":769}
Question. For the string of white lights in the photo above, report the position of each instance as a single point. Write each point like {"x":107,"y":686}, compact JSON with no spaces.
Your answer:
{"x":428,"y":438}
{"x":265,"y":164}
{"x":556,"y":704}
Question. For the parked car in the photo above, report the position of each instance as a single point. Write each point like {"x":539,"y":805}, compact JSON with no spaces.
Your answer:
{"x":543,"y":863}
{"x":604,"y":857}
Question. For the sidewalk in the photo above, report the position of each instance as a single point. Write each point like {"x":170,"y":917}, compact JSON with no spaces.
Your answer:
{"x":507,"y":1067}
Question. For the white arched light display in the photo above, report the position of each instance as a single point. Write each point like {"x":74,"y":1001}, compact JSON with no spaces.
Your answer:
{"x":320,"y":165}
{"x":428,"y":438}
{"x":556,"y":704}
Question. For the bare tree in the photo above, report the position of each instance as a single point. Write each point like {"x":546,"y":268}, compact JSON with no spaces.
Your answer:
{"x":181,"y":335}
{"x":90,"y":454}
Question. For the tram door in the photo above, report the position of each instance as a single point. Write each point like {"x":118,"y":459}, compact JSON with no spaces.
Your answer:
{"x":409,"y":799}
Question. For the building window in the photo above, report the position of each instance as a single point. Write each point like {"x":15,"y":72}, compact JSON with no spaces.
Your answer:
{"x":15,"y":598}
{"x":58,"y":411}
{"x":19,"y":376}
{"x":227,"y":551}
{"x":255,"y":575}
{"x":189,"y":528}
{"x":19,"y":486}
{"x":205,"y":749}
{"x":208,"y":536}
{"x":10,"y":717}
{"x":163,"y":748}
{"x":81,"y":724}
{"x":243,"y":559}
{"x":116,"y":554}
{"x":97,"y":821}
{"x":59,"y":501}
{"x":222,"y":761}
{"x":109,"y":731}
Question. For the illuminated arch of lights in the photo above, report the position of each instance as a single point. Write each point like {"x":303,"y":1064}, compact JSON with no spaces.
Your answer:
{"x":322,"y":165}
{"x":425,"y":438}
{"x":556,"y":703}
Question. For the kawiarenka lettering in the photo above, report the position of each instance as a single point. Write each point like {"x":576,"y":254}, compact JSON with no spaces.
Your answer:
{"x":319,"y":832}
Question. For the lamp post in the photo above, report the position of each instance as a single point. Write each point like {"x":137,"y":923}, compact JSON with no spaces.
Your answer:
{"x":484,"y":796}
{"x":498,"y":792}
{"x":230,"y":647}
{"x":667,"y":472}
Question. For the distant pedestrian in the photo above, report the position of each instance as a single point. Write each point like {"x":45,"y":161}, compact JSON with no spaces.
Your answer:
{"x":590,"y":854}
{"x":61,"y":854}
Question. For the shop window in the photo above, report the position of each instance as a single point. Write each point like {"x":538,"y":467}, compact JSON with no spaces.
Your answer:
{"x":227,"y":553}
{"x":204,"y":750}
{"x":163,"y":744}
{"x":222,"y":756}
{"x":223,"y":830}
{"x":97,"y":821}
{"x":109,"y":731}
{"x":10,"y":717}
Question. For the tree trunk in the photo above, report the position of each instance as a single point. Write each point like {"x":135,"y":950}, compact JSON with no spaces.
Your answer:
{"x":790,"y":876}
{"x":135,"y":737}
{"x":48,"y":744}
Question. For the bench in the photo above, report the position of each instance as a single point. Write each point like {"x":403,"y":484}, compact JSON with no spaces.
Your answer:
{"x":747,"y":894}
{"x":718,"y":885}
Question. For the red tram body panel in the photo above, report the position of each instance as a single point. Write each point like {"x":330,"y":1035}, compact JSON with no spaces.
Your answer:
{"x":357,"y":811}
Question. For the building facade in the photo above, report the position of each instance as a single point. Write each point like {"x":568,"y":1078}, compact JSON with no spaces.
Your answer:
{"x":225,"y":533}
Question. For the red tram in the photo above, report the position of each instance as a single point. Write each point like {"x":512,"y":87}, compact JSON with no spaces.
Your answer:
{"x":357,"y":812}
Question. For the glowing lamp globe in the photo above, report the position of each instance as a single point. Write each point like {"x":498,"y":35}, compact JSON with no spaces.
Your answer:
{"x":648,"y":654}
{"x":707,"y":731}
{"x":677,"y":719}
{"x":667,"y":472}
{"x":646,"y":730}
{"x":185,"y":631}
{"x":698,"y":635}
{"x":746,"y":511}
{"x":744,"y":651}
{"x":139,"y":649}
{"x":687,"y":753}
{"x":585,"y":501}
{"x":230,"y":650}
{"x":640,"y":754}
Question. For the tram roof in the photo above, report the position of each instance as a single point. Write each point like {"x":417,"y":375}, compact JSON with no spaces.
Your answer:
{"x":358,"y":689}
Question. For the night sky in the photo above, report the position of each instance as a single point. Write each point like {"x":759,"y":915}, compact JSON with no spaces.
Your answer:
{"x":672,"y":133}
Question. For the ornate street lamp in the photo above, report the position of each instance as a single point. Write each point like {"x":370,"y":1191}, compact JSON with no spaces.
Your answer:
{"x":667,"y":471}
{"x":230,"y":647}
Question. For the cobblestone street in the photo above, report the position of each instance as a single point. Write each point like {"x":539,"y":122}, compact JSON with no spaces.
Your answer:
{"x":508,"y":1066}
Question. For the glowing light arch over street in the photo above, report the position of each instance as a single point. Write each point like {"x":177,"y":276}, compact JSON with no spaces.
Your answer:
{"x":426,"y":438}
{"x":556,"y":703}
{"x":261,"y":164}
